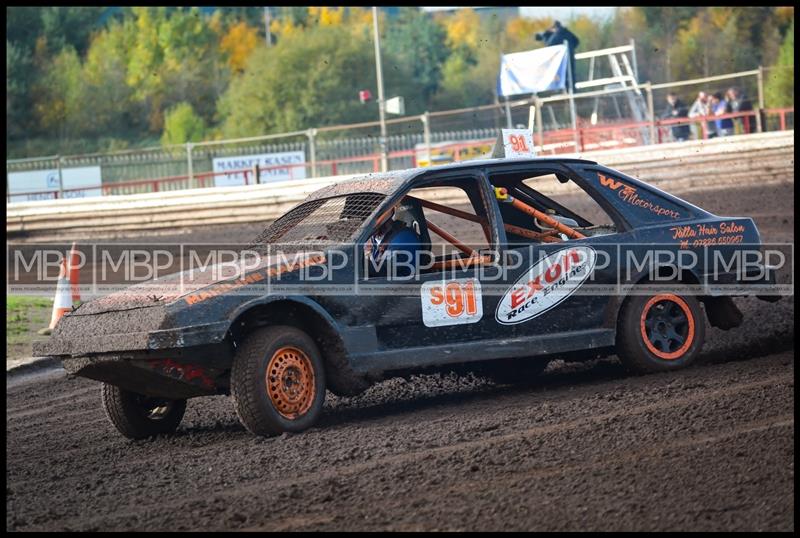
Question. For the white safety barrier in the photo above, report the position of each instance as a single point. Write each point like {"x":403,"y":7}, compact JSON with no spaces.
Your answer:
{"x":755,"y":159}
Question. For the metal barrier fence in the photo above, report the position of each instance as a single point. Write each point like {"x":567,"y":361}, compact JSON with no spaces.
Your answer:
{"x":588,"y":138}
{"x":430,"y":138}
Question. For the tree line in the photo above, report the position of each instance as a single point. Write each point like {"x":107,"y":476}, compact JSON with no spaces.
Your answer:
{"x":82,"y":79}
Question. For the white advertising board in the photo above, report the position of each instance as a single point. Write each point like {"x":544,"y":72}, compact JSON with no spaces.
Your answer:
{"x":42,"y":184}
{"x":266,"y":162}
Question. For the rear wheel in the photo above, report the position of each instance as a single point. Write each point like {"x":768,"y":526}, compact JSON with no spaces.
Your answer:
{"x":137,"y":416}
{"x":278,"y":381}
{"x":660,"y":332}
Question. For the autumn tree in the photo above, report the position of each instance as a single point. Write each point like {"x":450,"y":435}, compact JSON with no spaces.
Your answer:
{"x":305,"y":80}
{"x":238,"y":43}
{"x":463,"y":29}
{"x":519,"y":33}
{"x":173,"y":59}
{"x":325,"y":16}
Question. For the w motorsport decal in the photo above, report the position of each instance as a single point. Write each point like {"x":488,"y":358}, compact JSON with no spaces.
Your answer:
{"x":546,"y":284}
{"x":630,"y":195}
{"x":451,"y":302}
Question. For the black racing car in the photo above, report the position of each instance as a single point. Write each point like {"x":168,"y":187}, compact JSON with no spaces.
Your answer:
{"x":472,"y":265}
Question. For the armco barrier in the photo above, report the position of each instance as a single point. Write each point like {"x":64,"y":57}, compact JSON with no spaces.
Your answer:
{"x":760,"y":158}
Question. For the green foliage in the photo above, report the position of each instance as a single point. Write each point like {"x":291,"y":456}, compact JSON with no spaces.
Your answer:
{"x":69,"y":26}
{"x":18,"y":81}
{"x":779,"y":87}
{"x":90,"y":78}
{"x":467,"y":82}
{"x":182,"y":125}
{"x":307,"y":79}
{"x":173,"y":57}
{"x":416,"y":44}
{"x":23,"y":26}
{"x":24,"y":316}
{"x":62,"y":99}
{"x":297,"y":14}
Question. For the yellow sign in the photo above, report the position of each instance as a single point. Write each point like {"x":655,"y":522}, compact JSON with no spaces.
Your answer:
{"x":446,"y":152}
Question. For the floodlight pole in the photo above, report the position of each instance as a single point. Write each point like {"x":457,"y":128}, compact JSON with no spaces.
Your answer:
{"x":571,"y":83}
{"x":381,"y":102}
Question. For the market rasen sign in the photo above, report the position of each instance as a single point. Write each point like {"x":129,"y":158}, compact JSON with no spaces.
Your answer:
{"x":286,"y":163}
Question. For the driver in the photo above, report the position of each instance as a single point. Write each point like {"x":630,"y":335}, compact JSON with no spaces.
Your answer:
{"x":394,"y":246}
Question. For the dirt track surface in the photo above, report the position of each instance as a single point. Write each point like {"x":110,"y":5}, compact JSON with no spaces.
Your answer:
{"x":583,"y":447}
{"x":708,"y":448}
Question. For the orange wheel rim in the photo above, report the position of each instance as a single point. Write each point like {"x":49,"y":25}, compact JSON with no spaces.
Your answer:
{"x":667,"y":326}
{"x":290,"y":382}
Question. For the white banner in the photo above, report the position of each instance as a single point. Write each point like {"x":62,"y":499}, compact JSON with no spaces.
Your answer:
{"x":266,"y":162}
{"x":533,"y":71}
{"x":43,"y":184}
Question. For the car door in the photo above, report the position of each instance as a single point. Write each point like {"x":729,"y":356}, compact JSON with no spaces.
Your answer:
{"x":554,"y":288}
{"x":445,"y":304}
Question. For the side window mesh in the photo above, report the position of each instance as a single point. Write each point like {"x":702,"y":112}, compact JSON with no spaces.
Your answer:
{"x":320,"y":222}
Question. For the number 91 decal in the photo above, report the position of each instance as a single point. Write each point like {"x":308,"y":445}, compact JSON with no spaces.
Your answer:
{"x":451,"y":302}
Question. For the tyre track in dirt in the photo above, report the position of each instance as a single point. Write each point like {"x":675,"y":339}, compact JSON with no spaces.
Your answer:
{"x":509,"y":480}
{"x":332,"y":462}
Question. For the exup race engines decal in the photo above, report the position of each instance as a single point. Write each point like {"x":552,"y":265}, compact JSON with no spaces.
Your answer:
{"x":546,"y":284}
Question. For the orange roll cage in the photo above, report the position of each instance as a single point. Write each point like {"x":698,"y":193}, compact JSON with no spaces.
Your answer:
{"x":503,"y":196}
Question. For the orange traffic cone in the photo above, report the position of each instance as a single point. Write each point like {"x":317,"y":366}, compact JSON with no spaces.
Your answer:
{"x":63,"y":300}
{"x":74,"y":278}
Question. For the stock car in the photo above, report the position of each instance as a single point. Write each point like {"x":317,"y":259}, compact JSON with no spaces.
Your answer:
{"x":359,"y":283}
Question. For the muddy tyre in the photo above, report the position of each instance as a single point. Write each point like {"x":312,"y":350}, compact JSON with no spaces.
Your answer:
{"x":660,"y":332}
{"x":278,"y":381}
{"x":137,"y":416}
{"x":514,"y":371}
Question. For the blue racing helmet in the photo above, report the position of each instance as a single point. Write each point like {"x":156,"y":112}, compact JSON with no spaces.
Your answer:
{"x":399,"y":249}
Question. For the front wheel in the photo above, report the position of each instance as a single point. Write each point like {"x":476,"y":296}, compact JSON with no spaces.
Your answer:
{"x":137,"y":416}
{"x":660,"y":332}
{"x":278,"y":381}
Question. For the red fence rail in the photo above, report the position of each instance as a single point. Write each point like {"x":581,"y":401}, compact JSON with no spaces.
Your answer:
{"x":584,"y":138}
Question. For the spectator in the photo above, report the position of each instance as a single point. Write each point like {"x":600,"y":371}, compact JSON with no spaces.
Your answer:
{"x":676,"y":109}
{"x":740,"y":103}
{"x":700,"y":109}
{"x":556,"y":35}
{"x":719,"y":107}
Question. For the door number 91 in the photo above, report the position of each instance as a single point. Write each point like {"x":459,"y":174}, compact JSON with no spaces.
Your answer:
{"x":451,"y":302}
